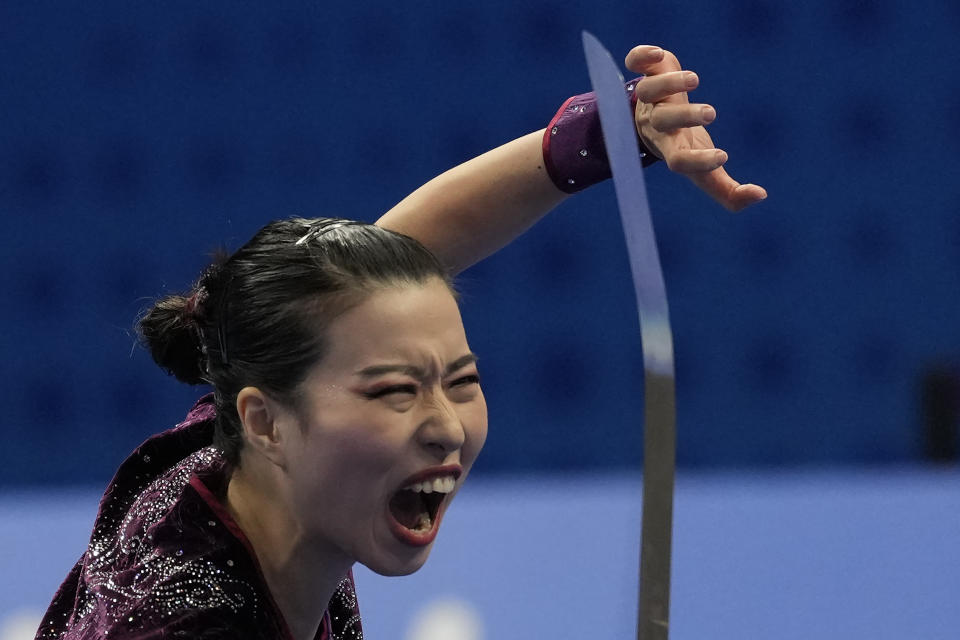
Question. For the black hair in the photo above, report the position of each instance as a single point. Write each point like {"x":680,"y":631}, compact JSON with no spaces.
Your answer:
{"x":258,"y":317}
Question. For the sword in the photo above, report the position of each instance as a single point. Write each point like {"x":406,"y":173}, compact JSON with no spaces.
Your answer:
{"x":659,"y":437}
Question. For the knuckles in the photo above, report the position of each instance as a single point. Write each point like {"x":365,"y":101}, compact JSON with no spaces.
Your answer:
{"x":638,"y":57}
{"x":671,"y":60}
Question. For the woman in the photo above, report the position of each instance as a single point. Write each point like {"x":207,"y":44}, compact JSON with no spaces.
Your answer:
{"x":347,"y":408}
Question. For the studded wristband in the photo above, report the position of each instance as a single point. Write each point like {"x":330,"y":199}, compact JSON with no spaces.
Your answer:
{"x":573,"y":149}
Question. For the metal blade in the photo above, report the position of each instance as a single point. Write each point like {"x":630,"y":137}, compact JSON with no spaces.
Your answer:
{"x":659,"y":440}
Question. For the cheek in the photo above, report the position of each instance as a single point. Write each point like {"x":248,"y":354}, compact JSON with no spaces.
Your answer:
{"x":474,"y":422}
{"x":353,"y":446}
{"x":342,"y":470}
{"x":355,"y":451}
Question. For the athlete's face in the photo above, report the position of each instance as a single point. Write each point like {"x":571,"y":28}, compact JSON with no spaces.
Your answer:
{"x":392,"y":419}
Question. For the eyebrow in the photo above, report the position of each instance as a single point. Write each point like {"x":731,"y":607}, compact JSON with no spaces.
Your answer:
{"x":414,"y":371}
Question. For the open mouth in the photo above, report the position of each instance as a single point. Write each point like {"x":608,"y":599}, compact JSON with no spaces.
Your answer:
{"x":416,"y":509}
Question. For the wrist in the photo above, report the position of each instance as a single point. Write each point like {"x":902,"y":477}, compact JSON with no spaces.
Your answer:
{"x":574,"y":153}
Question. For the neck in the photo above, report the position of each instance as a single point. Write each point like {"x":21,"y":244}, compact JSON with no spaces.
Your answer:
{"x":301,"y":575}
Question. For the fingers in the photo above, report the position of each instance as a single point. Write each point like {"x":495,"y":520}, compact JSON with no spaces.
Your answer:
{"x":695,"y":160}
{"x":745,"y":195}
{"x":670,"y":127}
{"x":649,"y":59}
{"x":727,"y":191}
{"x":667,"y":117}
{"x":639,"y":58}
{"x":656,"y":88}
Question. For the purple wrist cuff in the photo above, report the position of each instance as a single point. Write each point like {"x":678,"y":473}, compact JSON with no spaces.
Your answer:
{"x":573,"y":149}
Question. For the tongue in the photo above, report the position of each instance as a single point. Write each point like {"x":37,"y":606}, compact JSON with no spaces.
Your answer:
{"x":407,"y":507}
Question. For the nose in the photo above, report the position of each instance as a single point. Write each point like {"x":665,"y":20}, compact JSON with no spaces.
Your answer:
{"x":441,"y":431}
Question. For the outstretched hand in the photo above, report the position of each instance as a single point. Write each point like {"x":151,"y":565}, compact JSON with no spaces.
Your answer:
{"x":673,"y":129}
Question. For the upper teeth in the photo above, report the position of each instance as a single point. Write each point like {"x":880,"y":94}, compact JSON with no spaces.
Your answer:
{"x":443,"y":484}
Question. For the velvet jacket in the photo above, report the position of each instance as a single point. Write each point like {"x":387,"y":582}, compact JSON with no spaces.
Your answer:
{"x":166,"y":559}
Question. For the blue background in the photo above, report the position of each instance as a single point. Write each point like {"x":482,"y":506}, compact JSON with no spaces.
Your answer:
{"x":137,"y":137}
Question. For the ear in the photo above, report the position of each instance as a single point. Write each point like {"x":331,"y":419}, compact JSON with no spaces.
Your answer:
{"x":259,"y":416}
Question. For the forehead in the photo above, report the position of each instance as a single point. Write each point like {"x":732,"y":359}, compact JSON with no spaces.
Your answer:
{"x":416,"y":323}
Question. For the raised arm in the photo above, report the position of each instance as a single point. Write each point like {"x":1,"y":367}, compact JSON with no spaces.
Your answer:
{"x":474,"y":209}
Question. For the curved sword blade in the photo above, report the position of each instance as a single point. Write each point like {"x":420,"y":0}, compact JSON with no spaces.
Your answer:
{"x":659,"y":439}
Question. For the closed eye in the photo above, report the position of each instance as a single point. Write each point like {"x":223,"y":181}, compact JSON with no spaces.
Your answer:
{"x":398,"y":389}
{"x":466,"y":380}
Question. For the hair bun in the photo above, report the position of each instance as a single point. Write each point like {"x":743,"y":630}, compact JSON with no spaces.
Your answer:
{"x":170,"y":331}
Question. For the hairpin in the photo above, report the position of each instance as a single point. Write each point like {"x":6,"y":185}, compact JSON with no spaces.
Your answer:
{"x":323,"y":227}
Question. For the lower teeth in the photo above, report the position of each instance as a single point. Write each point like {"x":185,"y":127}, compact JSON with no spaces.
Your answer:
{"x":424,"y":524}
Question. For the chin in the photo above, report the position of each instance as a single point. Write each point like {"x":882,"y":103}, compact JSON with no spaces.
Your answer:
{"x":397,"y":565}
